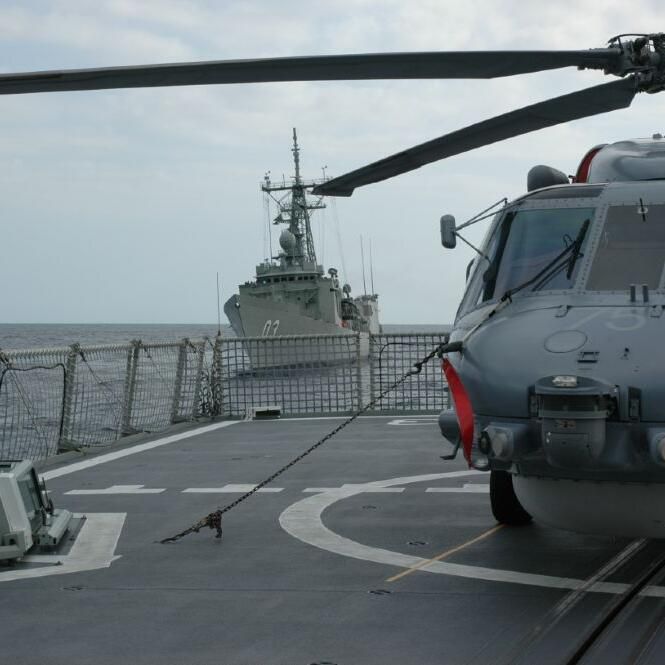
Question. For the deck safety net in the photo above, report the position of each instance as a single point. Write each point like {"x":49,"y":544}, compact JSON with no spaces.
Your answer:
{"x":55,"y":400}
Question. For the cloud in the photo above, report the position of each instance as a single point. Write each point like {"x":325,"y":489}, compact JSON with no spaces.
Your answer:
{"x":102,"y":42}
{"x":142,"y":189}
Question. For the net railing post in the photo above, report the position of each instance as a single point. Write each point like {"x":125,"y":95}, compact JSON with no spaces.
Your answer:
{"x":65,"y":442}
{"x":359,"y":375}
{"x":179,"y":374}
{"x":216,"y":381}
{"x":196,"y":407}
{"x":371,"y":361}
{"x":130,"y":388}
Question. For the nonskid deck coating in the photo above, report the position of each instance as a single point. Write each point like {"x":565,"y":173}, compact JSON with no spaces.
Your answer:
{"x":317,"y":570}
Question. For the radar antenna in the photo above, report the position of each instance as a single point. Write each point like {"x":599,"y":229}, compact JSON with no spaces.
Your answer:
{"x":294,"y":208}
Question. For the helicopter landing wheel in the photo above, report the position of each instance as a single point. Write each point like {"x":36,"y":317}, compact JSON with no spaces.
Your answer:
{"x":506,"y":507}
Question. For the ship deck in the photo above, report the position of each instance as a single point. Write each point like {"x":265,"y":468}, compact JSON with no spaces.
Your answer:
{"x":325,"y":565}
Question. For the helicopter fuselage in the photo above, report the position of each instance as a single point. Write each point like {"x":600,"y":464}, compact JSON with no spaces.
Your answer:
{"x":567,"y":377}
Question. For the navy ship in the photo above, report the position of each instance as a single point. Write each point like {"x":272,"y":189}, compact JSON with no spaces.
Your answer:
{"x":291,"y":294}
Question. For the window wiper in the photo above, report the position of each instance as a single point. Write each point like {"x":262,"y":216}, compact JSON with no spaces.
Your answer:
{"x":577,"y":246}
{"x":544,"y":274}
{"x":553,"y":267}
{"x":574,"y":248}
{"x":489,"y":276}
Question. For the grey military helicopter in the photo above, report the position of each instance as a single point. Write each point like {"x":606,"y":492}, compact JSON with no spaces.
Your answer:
{"x":555,"y":361}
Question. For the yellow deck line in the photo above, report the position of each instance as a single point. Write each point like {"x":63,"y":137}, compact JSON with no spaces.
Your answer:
{"x":445,"y":554}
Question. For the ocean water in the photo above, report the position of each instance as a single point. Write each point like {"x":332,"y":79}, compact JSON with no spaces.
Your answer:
{"x":52,"y":335}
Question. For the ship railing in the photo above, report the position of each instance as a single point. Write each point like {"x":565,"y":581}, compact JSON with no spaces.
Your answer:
{"x":79,"y":397}
{"x":296,"y":375}
{"x":55,"y":400}
{"x":391,"y":356}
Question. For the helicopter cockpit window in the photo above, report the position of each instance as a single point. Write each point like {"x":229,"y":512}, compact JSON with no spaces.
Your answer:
{"x":529,"y":240}
{"x":631,"y":248}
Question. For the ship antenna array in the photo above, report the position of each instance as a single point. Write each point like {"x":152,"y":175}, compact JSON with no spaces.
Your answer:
{"x":267,"y":230}
{"x":371,"y":268}
{"x":338,"y":235}
{"x":294,"y":209}
{"x":219,"y":313}
{"x":296,"y":155}
{"x":362,"y":261}
{"x":323,"y":224}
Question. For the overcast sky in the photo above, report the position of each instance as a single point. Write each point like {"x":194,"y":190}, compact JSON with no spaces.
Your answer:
{"x":120,"y":206}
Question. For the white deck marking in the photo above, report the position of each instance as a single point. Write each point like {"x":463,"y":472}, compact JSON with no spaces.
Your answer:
{"x":125,"y":452}
{"x":119,"y":489}
{"x":302,"y":520}
{"x":93,"y":548}
{"x":472,"y":488}
{"x":230,"y":489}
{"x":414,"y":421}
{"x":290,"y":420}
{"x":365,"y":488}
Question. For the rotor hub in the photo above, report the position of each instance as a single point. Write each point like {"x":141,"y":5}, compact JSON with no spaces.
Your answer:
{"x":643,"y":56}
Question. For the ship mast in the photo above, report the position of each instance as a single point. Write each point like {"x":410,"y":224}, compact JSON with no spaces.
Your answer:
{"x":294,"y":210}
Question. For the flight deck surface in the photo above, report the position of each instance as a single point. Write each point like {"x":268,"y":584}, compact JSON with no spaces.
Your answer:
{"x":370,"y":550}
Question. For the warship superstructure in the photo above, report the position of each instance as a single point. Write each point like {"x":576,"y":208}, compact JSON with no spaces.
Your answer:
{"x":291,"y":294}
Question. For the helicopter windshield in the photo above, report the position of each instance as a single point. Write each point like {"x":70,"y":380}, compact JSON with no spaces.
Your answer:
{"x":526,"y":242}
{"x":631,"y":249}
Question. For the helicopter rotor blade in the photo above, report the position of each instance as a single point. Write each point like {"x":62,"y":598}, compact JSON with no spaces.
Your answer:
{"x":364,"y":66}
{"x":590,"y":101}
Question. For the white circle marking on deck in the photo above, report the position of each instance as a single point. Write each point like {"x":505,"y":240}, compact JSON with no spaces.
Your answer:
{"x":302,"y":520}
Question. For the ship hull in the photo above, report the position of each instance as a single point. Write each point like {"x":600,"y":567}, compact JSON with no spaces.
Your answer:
{"x":266,"y":318}
{"x":270,"y":327}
